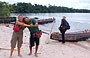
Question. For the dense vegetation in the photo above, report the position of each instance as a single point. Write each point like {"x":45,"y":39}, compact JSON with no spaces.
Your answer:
{"x":6,"y":9}
{"x":36,"y":8}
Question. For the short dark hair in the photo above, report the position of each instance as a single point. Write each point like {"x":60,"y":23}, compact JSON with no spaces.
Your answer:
{"x":24,"y":20}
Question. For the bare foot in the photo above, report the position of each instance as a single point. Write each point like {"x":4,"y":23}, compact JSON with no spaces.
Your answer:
{"x":10,"y":57}
{"x":36,"y":55}
{"x":30,"y":54}
{"x":20,"y":55}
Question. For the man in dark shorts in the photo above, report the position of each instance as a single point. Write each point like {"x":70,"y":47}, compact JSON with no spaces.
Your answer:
{"x":33,"y":29}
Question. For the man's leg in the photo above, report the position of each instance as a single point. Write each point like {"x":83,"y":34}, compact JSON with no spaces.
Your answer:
{"x":31,"y":44}
{"x":11,"y":52}
{"x":19,"y":44}
{"x":63,"y":37}
{"x":36,"y":49}
{"x":19,"y":54}
{"x":37,"y":45}
{"x":30,"y":47}
{"x":13,"y":43}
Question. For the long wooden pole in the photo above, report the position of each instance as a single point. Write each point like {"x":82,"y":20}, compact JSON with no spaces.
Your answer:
{"x":48,"y":38}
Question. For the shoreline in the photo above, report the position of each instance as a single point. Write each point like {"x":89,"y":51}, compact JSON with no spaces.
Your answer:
{"x":54,"y":49}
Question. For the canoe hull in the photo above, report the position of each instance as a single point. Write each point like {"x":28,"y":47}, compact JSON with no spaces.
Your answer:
{"x":45,"y":21}
{"x":70,"y":36}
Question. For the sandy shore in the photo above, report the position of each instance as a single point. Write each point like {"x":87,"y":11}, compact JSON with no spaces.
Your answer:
{"x":54,"y":49}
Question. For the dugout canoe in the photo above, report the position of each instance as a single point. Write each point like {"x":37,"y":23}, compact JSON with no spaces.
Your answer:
{"x":45,"y":21}
{"x":74,"y":36}
{"x":7,"y":19}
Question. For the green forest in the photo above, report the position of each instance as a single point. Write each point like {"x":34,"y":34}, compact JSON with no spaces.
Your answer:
{"x":22,"y":7}
{"x":36,"y":8}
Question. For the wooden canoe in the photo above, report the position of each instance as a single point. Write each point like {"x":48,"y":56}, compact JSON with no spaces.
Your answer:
{"x":74,"y":36}
{"x":44,"y":21}
{"x":7,"y":19}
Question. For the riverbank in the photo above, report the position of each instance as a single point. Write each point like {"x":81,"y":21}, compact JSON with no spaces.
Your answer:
{"x":54,"y":49}
{"x":7,"y":19}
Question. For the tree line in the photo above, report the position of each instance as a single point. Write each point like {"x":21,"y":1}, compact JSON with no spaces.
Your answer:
{"x":36,"y":8}
{"x":22,"y":7}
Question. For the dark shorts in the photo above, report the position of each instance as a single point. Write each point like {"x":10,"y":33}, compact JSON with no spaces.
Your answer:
{"x":34,"y":39}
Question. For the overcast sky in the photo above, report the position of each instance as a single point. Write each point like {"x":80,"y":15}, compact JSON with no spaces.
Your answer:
{"x":78,"y":4}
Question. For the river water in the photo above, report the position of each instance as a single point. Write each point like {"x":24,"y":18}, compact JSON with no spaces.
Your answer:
{"x":77,"y":21}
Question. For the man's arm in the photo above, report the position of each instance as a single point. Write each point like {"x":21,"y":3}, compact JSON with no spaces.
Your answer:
{"x":36,"y":25}
{"x":22,"y":24}
{"x":63,"y":23}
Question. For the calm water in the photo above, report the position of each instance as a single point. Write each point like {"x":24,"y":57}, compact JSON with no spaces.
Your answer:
{"x":77,"y":21}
